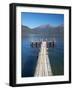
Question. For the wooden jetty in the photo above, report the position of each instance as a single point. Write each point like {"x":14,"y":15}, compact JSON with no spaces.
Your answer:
{"x":43,"y":67}
{"x":37,"y":44}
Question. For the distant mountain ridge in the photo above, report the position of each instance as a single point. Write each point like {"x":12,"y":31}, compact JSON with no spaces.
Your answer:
{"x":44,"y":30}
{"x":43,"y":26}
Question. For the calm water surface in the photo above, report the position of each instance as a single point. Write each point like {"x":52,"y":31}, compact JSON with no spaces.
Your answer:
{"x":30,"y":55}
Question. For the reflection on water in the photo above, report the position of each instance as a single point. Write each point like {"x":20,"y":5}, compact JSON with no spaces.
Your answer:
{"x":30,"y":55}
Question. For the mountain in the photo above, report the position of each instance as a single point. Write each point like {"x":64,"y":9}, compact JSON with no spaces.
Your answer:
{"x":44,"y":30}
{"x":43,"y":26}
{"x":26,"y":30}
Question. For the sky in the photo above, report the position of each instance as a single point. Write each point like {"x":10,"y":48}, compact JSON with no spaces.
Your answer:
{"x":33,"y":20}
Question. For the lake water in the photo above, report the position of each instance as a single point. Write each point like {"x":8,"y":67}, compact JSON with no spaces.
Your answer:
{"x":30,"y":55}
